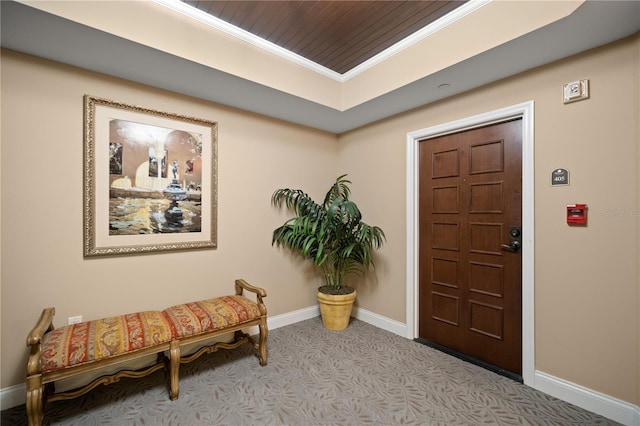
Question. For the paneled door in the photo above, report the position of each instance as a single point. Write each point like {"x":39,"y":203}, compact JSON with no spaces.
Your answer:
{"x":470,"y":209}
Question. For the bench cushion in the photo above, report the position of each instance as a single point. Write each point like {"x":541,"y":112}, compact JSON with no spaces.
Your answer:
{"x":95,"y":340}
{"x":191,"y":319}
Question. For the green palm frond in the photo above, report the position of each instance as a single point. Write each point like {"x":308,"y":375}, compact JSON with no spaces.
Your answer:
{"x":332,"y":234}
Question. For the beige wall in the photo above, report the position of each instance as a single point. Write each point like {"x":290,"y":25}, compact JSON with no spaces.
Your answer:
{"x":42,"y":203}
{"x":587,"y":279}
{"x":587,"y":312}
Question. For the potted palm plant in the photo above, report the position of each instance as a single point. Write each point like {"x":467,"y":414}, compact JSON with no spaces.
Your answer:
{"x":333,"y":236}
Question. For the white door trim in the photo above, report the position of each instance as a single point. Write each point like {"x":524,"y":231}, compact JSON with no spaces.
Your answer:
{"x":525,"y":111}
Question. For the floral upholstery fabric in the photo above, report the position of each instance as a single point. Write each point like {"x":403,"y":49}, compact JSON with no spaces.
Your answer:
{"x":194,"y":318}
{"x":94,"y":340}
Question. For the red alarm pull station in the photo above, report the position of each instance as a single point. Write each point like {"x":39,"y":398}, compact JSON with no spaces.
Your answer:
{"x":577,"y":214}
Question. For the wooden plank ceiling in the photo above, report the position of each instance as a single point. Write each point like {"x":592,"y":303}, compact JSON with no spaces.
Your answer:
{"x":338,"y":35}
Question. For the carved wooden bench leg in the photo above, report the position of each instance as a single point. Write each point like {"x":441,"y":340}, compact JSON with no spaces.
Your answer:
{"x":174,"y":369}
{"x":262,"y":342}
{"x":35,"y":402}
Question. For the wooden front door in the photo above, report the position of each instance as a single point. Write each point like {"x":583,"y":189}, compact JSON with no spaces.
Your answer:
{"x":470,"y":295}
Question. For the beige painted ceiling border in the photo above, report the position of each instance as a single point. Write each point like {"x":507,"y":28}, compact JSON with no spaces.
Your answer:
{"x":199,"y":15}
{"x":153,"y":24}
{"x":144,"y":42}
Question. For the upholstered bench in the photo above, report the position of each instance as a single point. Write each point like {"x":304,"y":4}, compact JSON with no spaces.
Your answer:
{"x":72,"y":350}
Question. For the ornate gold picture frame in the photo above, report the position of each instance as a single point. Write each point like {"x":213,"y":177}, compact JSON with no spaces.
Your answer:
{"x":150,"y":180}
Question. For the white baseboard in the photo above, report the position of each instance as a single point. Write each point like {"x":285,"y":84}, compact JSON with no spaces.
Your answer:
{"x":289,"y":318}
{"x":607,"y":406}
{"x":13,"y":396}
{"x":596,"y":402}
{"x":379,"y":321}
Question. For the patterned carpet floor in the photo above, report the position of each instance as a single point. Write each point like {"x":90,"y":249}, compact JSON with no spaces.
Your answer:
{"x":360,"y":376}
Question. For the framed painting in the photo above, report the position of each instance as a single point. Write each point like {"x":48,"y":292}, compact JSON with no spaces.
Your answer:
{"x":150,"y":180}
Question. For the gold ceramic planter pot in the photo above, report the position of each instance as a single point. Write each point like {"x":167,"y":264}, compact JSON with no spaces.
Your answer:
{"x":335,"y":309}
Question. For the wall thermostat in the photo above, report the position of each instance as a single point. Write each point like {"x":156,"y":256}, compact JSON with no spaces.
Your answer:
{"x":575,"y":91}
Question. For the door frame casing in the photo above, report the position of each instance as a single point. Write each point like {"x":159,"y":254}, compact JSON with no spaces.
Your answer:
{"x":525,"y":111}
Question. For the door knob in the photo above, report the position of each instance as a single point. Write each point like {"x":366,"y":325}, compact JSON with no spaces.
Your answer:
{"x":515,"y":238}
{"x":513,"y":247}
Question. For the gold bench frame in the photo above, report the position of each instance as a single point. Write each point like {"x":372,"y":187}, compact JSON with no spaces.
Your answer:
{"x":40,"y":386}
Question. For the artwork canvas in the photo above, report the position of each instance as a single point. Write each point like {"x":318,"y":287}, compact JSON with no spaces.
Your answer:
{"x":150,"y":180}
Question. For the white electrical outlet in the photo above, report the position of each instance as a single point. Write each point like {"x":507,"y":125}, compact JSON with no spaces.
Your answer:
{"x":74,"y":320}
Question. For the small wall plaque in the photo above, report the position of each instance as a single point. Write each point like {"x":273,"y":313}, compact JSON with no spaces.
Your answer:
{"x":560,"y":177}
